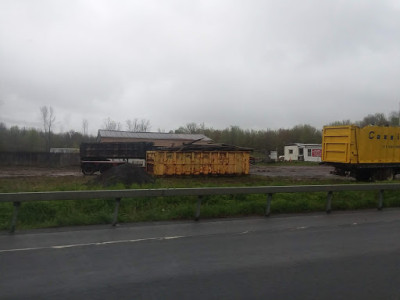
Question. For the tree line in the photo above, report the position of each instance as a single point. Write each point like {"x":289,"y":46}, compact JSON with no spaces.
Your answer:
{"x":36,"y":140}
{"x":16,"y":139}
{"x":262,"y":140}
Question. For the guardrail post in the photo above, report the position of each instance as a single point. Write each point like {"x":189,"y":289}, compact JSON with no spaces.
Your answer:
{"x":380,"y":201}
{"x":117,"y":204}
{"x":329,"y":202}
{"x":199,"y":199}
{"x":17,"y":205}
{"x":268,"y":208}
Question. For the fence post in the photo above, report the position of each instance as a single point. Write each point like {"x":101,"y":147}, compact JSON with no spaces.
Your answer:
{"x":380,"y":201}
{"x":17,"y":205}
{"x":199,"y":199}
{"x":329,"y":202}
{"x":117,"y":204}
{"x":268,"y":208}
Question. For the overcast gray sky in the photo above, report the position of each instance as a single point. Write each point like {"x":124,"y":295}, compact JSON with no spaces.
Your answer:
{"x":256,"y":64}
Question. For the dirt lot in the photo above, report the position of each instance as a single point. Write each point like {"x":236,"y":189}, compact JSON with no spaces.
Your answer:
{"x":270,"y":171}
{"x":316,"y":171}
{"x":37,"y":171}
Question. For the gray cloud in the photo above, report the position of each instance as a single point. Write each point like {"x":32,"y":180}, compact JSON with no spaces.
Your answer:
{"x":256,"y":64}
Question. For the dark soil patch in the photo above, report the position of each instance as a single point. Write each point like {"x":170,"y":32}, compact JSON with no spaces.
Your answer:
{"x":126,"y":174}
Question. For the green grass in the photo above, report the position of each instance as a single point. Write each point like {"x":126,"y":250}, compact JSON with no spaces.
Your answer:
{"x":84,"y":212}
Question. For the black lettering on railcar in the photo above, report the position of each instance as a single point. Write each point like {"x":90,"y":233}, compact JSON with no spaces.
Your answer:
{"x":371,"y":135}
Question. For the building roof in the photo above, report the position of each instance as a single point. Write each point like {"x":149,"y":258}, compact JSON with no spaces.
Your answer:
{"x":304,"y":145}
{"x":151,"y":135}
{"x":190,"y":147}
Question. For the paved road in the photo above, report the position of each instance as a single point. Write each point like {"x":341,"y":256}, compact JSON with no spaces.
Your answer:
{"x":316,"y":256}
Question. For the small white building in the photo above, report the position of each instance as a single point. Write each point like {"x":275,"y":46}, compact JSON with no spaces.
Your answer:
{"x":303,"y":152}
{"x":273,"y":155}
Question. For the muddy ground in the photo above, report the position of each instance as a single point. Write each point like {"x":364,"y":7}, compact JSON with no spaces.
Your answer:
{"x":38,"y":171}
{"x":316,"y":171}
{"x":309,"y":172}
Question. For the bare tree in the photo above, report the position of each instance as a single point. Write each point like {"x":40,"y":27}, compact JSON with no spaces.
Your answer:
{"x":191,"y":128}
{"x":48,"y":119}
{"x":145,"y":125}
{"x":137,"y":125}
{"x":111,"y":124}
{"x":132,"y":125}
{"x":85,"y":126}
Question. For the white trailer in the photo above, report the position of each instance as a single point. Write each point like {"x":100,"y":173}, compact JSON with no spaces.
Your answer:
{"x":303,"y":152}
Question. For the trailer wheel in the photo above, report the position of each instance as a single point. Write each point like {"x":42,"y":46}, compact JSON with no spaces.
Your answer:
{"x":104,"y":168}
{"x":88,"y":169}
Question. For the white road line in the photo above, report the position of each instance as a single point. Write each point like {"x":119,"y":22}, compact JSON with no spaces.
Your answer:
{"x":93,"y":244}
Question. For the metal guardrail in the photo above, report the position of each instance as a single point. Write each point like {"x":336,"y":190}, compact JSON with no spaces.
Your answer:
{"x":269,"y":191}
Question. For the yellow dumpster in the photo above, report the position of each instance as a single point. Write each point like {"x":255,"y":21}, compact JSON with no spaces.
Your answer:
{"x":197,"y":162}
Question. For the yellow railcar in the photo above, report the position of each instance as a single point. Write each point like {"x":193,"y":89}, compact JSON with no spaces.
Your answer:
{"x":161,"y":163}
{"x":364,"y":153}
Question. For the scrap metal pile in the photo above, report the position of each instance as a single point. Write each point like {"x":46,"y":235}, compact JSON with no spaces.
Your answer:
{"x":190,"y":147}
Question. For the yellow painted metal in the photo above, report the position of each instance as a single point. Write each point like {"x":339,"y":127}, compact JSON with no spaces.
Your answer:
{"x":198,"y":163}
{"x":352,"y":144}
{"x":336,"y":144}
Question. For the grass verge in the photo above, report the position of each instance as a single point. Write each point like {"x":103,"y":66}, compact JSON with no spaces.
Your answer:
{"x":84,"y":212}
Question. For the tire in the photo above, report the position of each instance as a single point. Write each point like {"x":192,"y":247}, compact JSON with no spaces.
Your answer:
{"x":104,"y":168}
{"x":88,"y":169}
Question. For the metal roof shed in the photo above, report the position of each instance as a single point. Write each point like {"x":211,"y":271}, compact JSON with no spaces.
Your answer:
{"x":158,"y":138}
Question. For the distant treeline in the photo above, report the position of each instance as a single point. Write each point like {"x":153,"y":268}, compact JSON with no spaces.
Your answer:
{"x":33,"y":140}
{"x":267,"y":140}
{"x":16,"y":139}
{"x":263,"y":140}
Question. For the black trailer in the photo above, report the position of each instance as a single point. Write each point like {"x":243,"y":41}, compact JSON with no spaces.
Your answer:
{"x":99,"y":157}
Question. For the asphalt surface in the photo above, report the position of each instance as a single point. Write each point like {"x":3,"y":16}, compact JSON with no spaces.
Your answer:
{"x":353,"y":255}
